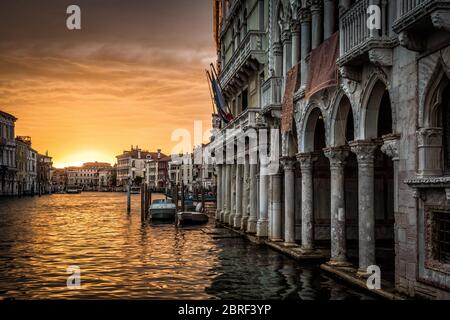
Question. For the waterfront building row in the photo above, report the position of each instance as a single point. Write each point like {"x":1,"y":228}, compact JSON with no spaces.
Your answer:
{"x":136,"y":166}
{"x":364,"y":132}
{"x":23,"y":171}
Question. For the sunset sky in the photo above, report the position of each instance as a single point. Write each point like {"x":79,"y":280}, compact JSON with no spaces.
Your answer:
{"x":133,"y":74}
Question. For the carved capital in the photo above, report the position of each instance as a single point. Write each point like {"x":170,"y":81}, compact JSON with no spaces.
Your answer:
{"x":364,"y":150}
{"x":288,"y":163}
{"x":305,"y":15}
{"x":337,"y":156}
{"x":306,"y":160}
{"x":295,"y":26}
{"x":427,"y":137}
{"x":316,"y":6}
{"x":391,"y":145}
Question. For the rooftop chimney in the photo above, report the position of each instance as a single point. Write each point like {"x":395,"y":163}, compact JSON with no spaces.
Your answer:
{"x":159,"y":153}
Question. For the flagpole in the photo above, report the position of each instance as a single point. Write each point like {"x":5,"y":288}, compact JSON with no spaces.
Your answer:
{"x":213,"y":71}
{"x":209,"y":80}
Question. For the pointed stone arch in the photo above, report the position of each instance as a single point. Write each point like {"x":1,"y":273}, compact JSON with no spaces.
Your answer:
{"x":374,"y":93}
{"x":342,"y":116}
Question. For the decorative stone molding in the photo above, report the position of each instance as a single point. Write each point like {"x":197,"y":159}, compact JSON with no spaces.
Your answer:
{"x":364,"y":150}
{"x":337,"y":156}
{"x":351,"y":73}
{"x":429,"y":137}
{"x":381,"y":57}
{"x":441,"y":19}
{"x":390,"y":146}
{"x":410,"y":41}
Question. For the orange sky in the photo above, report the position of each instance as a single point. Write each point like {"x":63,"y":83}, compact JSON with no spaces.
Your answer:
{"x":132,"y":75}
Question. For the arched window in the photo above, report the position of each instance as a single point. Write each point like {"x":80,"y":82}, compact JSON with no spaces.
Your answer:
{"x":444,"y":116}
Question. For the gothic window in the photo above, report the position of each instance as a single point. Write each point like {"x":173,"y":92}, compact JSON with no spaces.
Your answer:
{"x":445,"y":120}
{"x":441,"y":236}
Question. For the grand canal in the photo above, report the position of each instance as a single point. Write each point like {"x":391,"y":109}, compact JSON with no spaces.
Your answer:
{"x":121,"y":258}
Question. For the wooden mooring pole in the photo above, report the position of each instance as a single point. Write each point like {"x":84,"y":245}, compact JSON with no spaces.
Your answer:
{"x":182,"y":197}
{"x":128,"y":198}
{"x":143,"y":201}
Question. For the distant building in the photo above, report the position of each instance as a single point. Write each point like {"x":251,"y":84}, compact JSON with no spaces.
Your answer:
{"x":23,"y":145}
{"x":181,"y":170}
{"x":133,"y":165}
{"x":8,"y":169}
{"x":32,"y":171}
{"x":44,"y":173}
{"x":87,"y":176}
{"x":107,"y":179}
{"x":202,"y":171}
{"x":157,"y":170}
{"x":59,"y":180}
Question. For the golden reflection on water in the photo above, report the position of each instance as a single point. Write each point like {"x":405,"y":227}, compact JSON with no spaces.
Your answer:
{"x":118,"y":256}
{"x":121,"y":258}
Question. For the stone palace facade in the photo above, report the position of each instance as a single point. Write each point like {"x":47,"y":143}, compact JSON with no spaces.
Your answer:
{"x":364,"y":117}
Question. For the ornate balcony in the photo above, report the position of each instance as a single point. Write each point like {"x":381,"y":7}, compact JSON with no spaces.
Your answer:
{"x":271,"y":96}
{"x":358,"y":43}
{"x":417,"y":17}
{"x":251,"y":51}
{"x":249,"y":118}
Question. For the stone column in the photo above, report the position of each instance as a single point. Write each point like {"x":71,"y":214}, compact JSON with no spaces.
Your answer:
{"x":329,"y":18}
{"x":239,"y":189}
{"x":287,"y":50}
{"x":295,"y":31}
{"x":230,"y":219}
{"x":227,"y":212}
{"x":276,"y":234}
{"x":269,"y":206}
{"x":289,"y":201}
{"x":305,"y":21}
{"x":365,"y":152}
{"x":317,"y":23}
{"x":391,"y":149}
{"x":253,"y":198}
{"x":262,"y":225}
{"x":224,"y":192}
{"x":245,"y":197}
{"x":306,"y":166}
{"x":219,"y":191}
{"x":337,"y":158}
{"x":278,"y":58}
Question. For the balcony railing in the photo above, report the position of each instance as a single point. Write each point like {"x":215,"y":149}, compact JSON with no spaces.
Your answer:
{"x":356,"y":37}
{"x":247,"y":119}
{"x":411,"y":12}
{"x":251,"y":46}
{"x":271,"y":93}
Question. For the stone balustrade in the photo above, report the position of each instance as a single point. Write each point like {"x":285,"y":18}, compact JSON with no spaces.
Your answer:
{"x":356,"y":39}
{"x":252,"y":46}
{"x":271,"y":93}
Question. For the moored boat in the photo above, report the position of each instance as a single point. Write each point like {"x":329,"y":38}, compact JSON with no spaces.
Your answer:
{"x":191,"y":218}
{"x":73,"y":190}
{"x":162,"y":210}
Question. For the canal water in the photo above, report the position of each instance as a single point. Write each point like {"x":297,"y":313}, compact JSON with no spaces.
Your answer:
{"x":119,"y":258}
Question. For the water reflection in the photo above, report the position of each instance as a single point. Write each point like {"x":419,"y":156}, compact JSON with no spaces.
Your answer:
{"x":121,"y":258}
